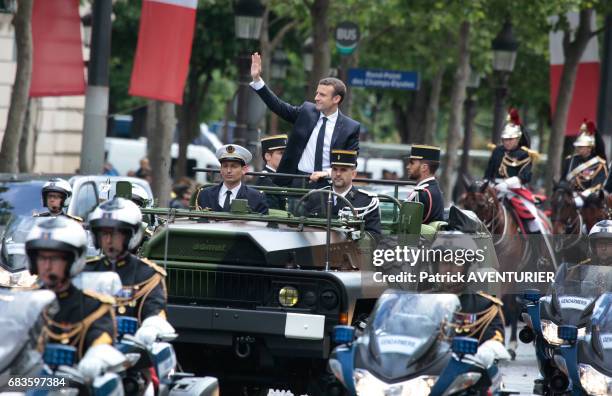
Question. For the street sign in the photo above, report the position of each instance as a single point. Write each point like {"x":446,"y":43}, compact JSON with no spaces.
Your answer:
{"x":347,"y":37}
{"x":385,"y":79}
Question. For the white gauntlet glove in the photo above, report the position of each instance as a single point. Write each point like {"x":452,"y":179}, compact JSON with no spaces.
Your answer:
{"x":501,"y":187}
{"x":99,"y":359}
{"x":151,"y":328}
{"x":513,"y":182}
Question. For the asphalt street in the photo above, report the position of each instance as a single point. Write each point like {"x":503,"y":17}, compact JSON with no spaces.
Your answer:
{"x":520,"y":373}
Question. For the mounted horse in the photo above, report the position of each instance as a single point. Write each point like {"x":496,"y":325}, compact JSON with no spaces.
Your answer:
{"x":513,"y":248}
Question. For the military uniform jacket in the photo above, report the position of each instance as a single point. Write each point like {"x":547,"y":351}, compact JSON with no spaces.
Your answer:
{"x":428,"y":192}
{"x":608,"y":186}
{"x":504,"y":164}
{"x":209,"y":198}
{"x":84,"y":319}
{"x":358,"y":198}
{"x":49,"y":214}
{"x":489,"y":320}
{"x":585,"y":173}
{"x":274,"y":201}
{"x":144,"y":291}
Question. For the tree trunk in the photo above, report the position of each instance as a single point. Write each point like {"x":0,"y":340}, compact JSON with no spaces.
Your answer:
{"x":400,"y":116}
{"x":27,"y":143}
{"x":573,"y":52}
{"x":159,"y":149}
{"x":9,"y":153}
{"x":348,"y":62}
{"x":433,"y":107}
{"x":416,"y":117}
{"x":320,"y":45}
{"x":454,"y":125}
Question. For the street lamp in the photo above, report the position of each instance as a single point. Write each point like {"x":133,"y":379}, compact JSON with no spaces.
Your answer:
{"x":473,"y":82}
{"x":307,"y":54}
{"x":504,"y":47}
{"x":247,"y":24}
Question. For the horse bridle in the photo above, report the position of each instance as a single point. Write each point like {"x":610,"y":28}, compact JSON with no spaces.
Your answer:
{"x":570,"y":226}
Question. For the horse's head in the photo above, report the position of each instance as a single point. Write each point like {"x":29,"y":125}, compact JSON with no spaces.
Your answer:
{"x":564,"y":210}
{"x":595,"y":208}
{"x":481,"y":199}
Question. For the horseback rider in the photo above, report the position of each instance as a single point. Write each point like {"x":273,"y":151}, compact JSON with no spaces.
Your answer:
{"x":424,"y":162}
{"x":586,"y":170}
{"x":510,"y":167}
{"x":56,"y":251}
{"x":55,"y":192}
{"x":118,"y":229}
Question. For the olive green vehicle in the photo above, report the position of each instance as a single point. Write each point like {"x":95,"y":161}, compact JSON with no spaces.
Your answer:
{"x":254,"y":298}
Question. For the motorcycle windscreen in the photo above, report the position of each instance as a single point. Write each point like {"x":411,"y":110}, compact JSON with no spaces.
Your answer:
{"x":601,"y":330}
{"x":20,"y":313}
{"x":575,"y":290}
{"x":13,"y":258}
{"x":404,"y":327}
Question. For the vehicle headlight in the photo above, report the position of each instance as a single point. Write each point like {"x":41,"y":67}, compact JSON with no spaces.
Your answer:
{"x":594,"y":382}
{"x":288,"y":296}
{"x":368,"y":385}
{"x":550,"y":331}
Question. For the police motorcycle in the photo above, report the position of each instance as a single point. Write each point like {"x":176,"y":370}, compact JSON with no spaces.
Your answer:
{"x":570,"y":302}
{"x":587,"y":360}
{"x":407,"y":349}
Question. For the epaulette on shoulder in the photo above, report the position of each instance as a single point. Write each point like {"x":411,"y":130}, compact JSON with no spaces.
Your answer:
{"x":535,"y":156}
{"x":489,"y":297}
{"x":103,"y":298}
{"x":77,"y":218}
{"x":585,"y":261}
{"x":151,"y":264}
{"x":366,"y":192}
{"x":93,"y":260}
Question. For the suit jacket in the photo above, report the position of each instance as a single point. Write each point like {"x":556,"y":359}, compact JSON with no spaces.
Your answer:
{"x":209,"y":198}
{"x":304,"y":118}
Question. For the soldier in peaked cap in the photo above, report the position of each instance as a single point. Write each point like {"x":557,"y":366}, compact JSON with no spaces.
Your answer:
{"x":586,"y":170}
{"x":424,"y":162}
{"x":234,"y":160}
{"x":272,"y":149}
{"x":343,"y":171}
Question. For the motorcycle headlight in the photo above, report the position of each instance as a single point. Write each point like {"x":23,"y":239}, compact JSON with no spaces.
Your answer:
{"x":594,"y":382}
{"x":462,"y":382}
{"x":550,"y":332}
{"x":368,"y":385}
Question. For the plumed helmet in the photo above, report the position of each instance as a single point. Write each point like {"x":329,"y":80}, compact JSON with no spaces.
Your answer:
{"x":120,"y":214}
{"x":58,"y":234}
{"x":56,"y":185}
{"x":140,"y":196}
{"x":512,"y":129}
{"x":587,"y":134}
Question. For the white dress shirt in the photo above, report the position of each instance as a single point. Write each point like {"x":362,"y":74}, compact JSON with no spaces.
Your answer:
{"x":224,"y":189}
{"x":307,"y":161}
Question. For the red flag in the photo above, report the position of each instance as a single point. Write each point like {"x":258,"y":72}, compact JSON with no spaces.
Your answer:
{"x":58,"y":68}
{"x":164,"y":48}
{"x":586,"y":87}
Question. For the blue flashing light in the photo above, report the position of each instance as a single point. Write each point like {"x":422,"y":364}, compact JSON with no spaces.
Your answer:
{"x":568,"y":333}
{"x":59,"y":355}
{"x":532,"y":295}
{"x":126,"y":325}
{"x":464,"y":345}
{"x":344,"y":334}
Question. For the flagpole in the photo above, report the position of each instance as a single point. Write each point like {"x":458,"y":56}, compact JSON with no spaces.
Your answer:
{"x":96,"y":97}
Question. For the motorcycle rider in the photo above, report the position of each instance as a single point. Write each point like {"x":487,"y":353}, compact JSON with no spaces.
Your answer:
{"x":55,"y":192}
{"x":118,"y":230}
{"x":600,"y":244}
{"x":85,"y":319}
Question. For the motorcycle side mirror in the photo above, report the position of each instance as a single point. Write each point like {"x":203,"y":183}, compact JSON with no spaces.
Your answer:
{"x":126,"y":325}
{"x":56,"y":355}
{"x":532,"y":295}
{"x":568,"y":333}
{"x":464,"y":345}
{"x":343,"y":334}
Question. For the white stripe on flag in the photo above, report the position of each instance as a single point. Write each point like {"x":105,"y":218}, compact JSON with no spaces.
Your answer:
{"x":555,"y":44}
{"x":181,"y":3}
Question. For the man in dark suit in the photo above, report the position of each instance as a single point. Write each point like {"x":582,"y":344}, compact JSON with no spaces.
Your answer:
{"x":272,"y":149}
{"x":424,"y":161}
{"x":234,"y":160}
{"x":366,"y":204}
{"x":318,"y":128}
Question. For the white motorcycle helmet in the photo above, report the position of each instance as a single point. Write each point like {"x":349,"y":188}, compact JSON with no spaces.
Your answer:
{"x":56,"y":185}
{"x":140,"y":196}
{"x":121,"y":214}
{"x":602,"y":230}
{"x":58,"y":234}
